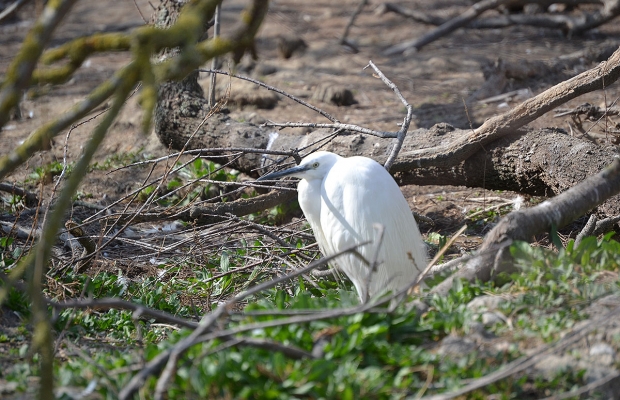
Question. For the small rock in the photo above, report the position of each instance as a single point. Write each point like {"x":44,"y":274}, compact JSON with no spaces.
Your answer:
{"x":491,"y":318}
{"x":264,"y":69}
{"x":289,"y":45}
{"x":552,"y":365}
{"x":336,"y":94}
{"x":485,"y":303}
{"x":604,"y":354}
{"x":456,"y":346}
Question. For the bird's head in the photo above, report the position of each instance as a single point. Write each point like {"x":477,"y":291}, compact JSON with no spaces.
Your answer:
{"x":314,"y":166}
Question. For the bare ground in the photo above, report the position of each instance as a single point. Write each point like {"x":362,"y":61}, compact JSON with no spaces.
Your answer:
{"x":441,"y":82}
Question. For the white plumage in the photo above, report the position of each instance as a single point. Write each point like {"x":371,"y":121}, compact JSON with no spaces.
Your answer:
{"x":344,"y":199}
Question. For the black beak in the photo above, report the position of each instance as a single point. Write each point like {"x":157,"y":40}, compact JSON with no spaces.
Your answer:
{"x":279,"y":174}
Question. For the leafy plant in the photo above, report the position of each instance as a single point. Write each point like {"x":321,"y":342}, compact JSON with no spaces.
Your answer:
{"x":47,"y":172}
{"x":118,"y":160}
{"x":366,"y":355}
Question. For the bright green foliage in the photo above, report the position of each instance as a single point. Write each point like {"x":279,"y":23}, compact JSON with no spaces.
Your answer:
{"x":47,"y":172}
{"x":118,"y":160}
{"x":372,"y":355}
{"x":186,"y":187}
{"x":554,"y":287}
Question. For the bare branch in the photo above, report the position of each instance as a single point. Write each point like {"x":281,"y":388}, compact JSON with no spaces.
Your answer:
{"x":523,"y":224}
{"x":450,"y":26}
{"x":119,"y":304}
{"x":347,"y":28}
{"x":18,"y":75}
{"x":402,"y":132}
{"x":273,"y":89}
{"x":13,"y":8}
{"x":461,"y":149}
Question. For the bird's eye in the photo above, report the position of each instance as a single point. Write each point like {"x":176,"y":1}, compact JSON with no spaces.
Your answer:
{"x":315,"y":165}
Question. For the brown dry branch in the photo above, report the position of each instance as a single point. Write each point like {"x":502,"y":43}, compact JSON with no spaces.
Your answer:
{"x":208,"y":213}
{"x":587,"y":230}
{"x":20,"y":71}
{"x":447,"y":27}
{"x":402,"y":132}
{"x":410,"y":13}
{"x":494,"y":128}
{"x":522,"y":225}
{"x":569,"y":25}
{"x":343,"y":39}
{"x":119,"y":304}
{"x":273,"y":89}
{"x":587,"y":110}
{"x":12,"y":9}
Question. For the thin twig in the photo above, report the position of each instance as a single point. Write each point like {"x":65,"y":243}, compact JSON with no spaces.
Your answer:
{"x":274,"y":89}
{"x":119,"y":304}
{"x":140,"y":11}
{"x":200,"y":152}
{"x":469,"y":15}
{"x":587,"y":388}
{"x":402,"y":132}
{"x":587,"y":230}
{"x":214,"y":61}
{"x":170,"y":357}
{"x":8,"y":11}
{"x":358,"y":10}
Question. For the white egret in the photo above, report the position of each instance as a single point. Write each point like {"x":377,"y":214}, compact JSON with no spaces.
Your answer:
{"x":344,"y":199}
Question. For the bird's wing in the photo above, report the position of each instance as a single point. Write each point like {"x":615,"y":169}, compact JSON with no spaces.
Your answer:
{"x":309,"y":196}
{"x":357,"y":194}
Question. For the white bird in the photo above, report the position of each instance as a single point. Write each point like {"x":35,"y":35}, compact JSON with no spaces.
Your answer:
{"x":344,"y":199}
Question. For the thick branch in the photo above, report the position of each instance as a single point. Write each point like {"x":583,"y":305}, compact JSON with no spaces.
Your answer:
{"x":522,"y":225}
{"x":20,"y":71}
{"x":450,"y":26}
{"x":211,"y":213}
{"x":566,"y":23}
{"x":494,"y":128}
